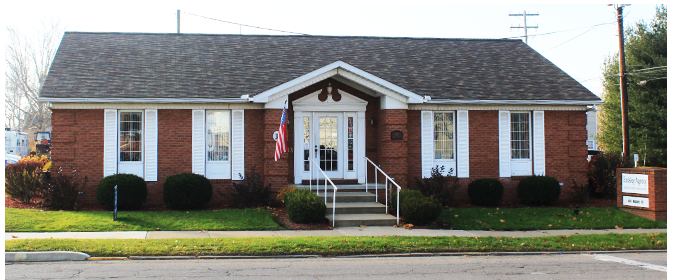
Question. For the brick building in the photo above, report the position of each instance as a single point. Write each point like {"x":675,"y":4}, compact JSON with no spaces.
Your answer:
{"x":157,"y":105}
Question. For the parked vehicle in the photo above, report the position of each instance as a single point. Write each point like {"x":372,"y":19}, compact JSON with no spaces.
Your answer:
{"x":16,"y":142}
{"x":43,"y":145}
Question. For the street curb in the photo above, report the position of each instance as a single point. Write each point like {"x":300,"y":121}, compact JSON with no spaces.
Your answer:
{"x":451,"y":254}
{"x":45,"y":256}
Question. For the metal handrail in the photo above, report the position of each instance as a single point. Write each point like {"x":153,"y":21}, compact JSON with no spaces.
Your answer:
{"x":366,"y":182}
{"x":325,"y":187}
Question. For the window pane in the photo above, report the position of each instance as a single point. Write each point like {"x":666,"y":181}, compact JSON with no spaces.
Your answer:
{"x":520,"y":135}
{"x":443,"y":136}
{"x":131,"y":136}
{"x":218,"y":135}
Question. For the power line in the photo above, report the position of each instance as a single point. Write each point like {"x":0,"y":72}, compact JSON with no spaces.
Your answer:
{"x":572,"y":38}
{"x":535,"y":35}
{"x":240,"y":24}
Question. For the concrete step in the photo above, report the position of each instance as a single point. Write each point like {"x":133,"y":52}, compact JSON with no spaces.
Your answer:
{"x":342,"y":187}
{"x":356,"y":208}
{"x":354,"y":220}
{"x":350,"y":197}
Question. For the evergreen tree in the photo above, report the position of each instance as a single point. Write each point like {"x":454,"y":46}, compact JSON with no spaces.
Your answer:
{"x":645,"y":58}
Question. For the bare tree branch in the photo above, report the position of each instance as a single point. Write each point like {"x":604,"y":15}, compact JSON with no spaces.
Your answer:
{"x":28,"y":60}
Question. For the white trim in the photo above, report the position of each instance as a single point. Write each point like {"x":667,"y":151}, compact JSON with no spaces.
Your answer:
{"x":132,"y":167}
{"x":237,"y":136}
{"x":142,"y":100}
{"x":141,"y":106}
{"x":516,"y":101}
{"x":478,"y":107}
{"x":304,"y":80}
{"x":298,"y":137}
{"x":463,"y":149}
{"x":198,"y":142}
{"x":539,"y":143}
{"x":522,"y":166}
{"x":348,"y":103}
{"x":504,"y":143}
{"x":151,"y":145}
{"x":361,"y":146}
{"x":427,"y":126}
{"x":110,"y":137}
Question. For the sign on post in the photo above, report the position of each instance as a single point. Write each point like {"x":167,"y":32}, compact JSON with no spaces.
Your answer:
{"x":115,"y":210}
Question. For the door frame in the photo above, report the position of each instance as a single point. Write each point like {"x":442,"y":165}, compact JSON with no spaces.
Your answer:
{"x":348,"y":106}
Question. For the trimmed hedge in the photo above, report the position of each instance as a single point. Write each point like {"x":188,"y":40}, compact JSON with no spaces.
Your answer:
{"x":404,"y":195}
{"x":187,"y":191}
{"x":131,"y":191}
{"x":539,"y":190}
{"x":485,"y":192}
{"x":420,"y":211}
{"x":304,"y":207}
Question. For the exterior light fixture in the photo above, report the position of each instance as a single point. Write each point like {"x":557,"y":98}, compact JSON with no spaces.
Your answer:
{"x":372,"y":121}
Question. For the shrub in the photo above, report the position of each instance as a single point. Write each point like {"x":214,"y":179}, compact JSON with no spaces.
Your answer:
{"x":439,"y":186}
{"x":485,"y":192}
{"x":61,"y":191}
{"x":580,"y":192}
{"x":40,"y":158}
{"x":249,"y":193}
{"x":281,"y":195}
{"x":420,"y":211}
{"x":304,"y":206}
{"x":187,"y":191}
{"x":131,"y":191}
{"x":539,"y":190}
{"x":601,"y":173}
{"x":23,"y":179}
{"x":405,"y":194}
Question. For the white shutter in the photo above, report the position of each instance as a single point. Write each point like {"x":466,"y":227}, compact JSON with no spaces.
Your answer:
{"x":198,"y":141}
{"x":463,"y":150}
{"x":504,"y":143}
{"x":427,"y":143}
{"x":151,"y":145}
{"x":237,"y":144}
{"x":110,"y":142}
{"x":539,"y":150}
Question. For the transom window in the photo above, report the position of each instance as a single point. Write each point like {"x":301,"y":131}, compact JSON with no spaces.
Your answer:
{"x":217,"y":136}
{"x":131,"y":136}
{"x":520,"y":135}
{"x":444,"y":145}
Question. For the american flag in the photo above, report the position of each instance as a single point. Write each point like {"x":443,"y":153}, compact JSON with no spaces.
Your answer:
{"x":281,"y":145}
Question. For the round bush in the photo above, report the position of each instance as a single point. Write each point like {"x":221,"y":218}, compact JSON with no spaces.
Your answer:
{"x":131,"y":191}
{"x":404,"y":195}
{"x":187,"y":191}
{"x":539,"y":190}
{"x":420,"y":211}
{"x":304,"y":206}
{"x":485,"y":192}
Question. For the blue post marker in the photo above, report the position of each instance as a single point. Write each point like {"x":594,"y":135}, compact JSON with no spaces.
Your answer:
{"x":115,"y":211}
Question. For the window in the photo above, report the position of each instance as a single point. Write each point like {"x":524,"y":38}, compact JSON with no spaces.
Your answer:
{"x":444,"y":145}
{"x":131,"y":137}
{"x":520,"y":135}
{"x":218,"y":136}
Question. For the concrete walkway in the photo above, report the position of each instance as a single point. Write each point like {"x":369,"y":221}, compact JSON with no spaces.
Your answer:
{"x":341,"y":231}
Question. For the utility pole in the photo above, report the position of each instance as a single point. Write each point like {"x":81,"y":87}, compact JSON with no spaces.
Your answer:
{"x":624,"y":83}
{"x":524,"y":16}
{"x":178,"y":21}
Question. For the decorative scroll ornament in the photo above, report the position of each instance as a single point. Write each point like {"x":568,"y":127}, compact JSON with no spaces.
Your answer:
{"x":335,"y":95}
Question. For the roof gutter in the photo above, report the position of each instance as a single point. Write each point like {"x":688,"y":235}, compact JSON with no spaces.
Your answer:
{"x":144,"y":100}
{"x":516,"y":102}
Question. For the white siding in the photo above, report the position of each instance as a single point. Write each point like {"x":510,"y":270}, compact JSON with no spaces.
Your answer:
{"x":198,"y":142}
{"x":539,"y":149}
{"x":110,"y":142}
{"x":151,"y":145}
{"x":237,"y":144}
{"x":504,"y":143}
{"x":427,"y":143}
{"x":463,"y":149}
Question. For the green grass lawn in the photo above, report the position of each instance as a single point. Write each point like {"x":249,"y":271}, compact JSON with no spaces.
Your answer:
{"x":543,"y":218}
{"x":31,"y":220}
{"x":333,"y":246}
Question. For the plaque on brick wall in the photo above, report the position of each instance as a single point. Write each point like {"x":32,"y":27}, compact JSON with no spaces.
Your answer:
{"x":396,"y":135}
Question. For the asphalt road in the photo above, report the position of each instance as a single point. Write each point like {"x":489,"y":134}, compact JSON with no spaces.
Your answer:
{"x":565,"y":266}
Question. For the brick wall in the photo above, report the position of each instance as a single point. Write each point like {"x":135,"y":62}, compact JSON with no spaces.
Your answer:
{"x":657,"y":193}
{"x":392,"y":153}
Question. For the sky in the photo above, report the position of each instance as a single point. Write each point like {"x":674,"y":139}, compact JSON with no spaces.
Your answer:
{"x":580,"y":38}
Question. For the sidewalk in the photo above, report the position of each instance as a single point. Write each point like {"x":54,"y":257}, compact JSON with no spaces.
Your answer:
{"x":341,"y":231}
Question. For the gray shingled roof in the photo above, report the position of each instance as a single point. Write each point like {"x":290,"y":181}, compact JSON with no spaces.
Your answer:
{"x":127,"y":65}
